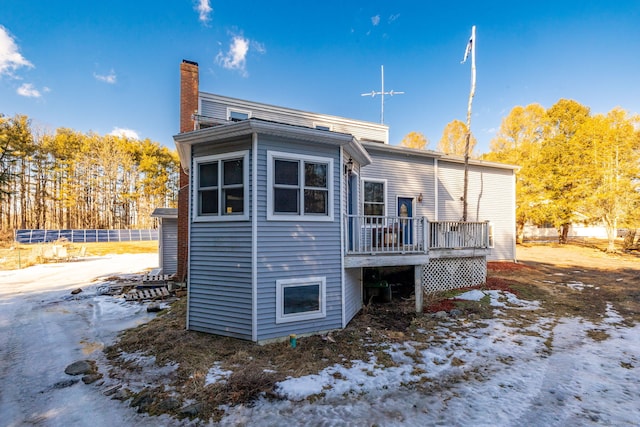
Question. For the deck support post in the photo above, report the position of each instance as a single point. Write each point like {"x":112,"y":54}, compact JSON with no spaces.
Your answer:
{"x":417,"y":272}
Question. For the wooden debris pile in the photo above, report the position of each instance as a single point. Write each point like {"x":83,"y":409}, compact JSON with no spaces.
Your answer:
{"x":147,"y":287}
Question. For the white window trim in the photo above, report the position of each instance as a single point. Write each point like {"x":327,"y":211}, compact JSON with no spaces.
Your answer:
{"x":237,"y":110}
{"x":296,"y":317}
{"x":221,"y":216}
{"x":272,"y":156}
{"x":386,"y":198}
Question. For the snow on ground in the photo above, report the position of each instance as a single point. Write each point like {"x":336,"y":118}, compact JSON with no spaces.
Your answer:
{"x":43,"y":328}
{"x":496,"y":375}
{"x":495,"y":372}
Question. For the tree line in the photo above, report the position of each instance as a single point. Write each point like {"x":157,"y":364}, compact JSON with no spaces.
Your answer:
{"x":69,"y":179}
{"x":574,"y":166}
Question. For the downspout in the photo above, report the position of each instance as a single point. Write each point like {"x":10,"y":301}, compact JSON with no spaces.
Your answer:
{"x":342,"y":237}
{"x":513,"y":215}
{"x":188,"y":260}
{"x":254,"y":237}
{"x":435,"y":189}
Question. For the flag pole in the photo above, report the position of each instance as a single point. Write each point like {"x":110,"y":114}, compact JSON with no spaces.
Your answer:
{"x":471,"y":48}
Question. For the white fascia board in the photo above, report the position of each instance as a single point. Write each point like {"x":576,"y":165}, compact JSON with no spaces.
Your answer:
{"x":185,"y":140}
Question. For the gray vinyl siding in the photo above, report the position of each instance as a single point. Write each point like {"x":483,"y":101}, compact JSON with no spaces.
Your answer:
{"x":220,"y":280}
{"x":491,"y":198}
{"x":450,"y":190}
{"x":406,"y":177}
{"x":169,"y":229}
{"x":297,"y":250}
{"x":215,"y":107}
{"x":352,"y":292}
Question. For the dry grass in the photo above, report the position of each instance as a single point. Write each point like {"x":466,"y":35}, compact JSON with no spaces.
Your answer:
{"x":15,"y":255}
{"x":256,"y":369}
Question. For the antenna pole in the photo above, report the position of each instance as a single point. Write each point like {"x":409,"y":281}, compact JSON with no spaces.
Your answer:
{"x":382,"y":93}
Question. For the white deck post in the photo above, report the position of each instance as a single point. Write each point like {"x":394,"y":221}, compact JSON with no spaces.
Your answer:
{"x":417,"y":269}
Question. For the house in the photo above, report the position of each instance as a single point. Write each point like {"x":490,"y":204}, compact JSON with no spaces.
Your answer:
{"x":167,"y":239}
{"x":281,"y":210}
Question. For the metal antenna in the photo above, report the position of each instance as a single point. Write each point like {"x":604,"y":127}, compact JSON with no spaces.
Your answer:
{"x":382,"y":93}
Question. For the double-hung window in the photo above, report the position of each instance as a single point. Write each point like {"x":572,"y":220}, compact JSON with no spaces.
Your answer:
{"x":299,"y":187}
{"x":374,"y":198}
{"x":220,"y":190}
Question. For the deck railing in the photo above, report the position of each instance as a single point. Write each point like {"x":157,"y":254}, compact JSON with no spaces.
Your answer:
{"x":384,"y":234}
{"x":458,"y":235}
{"x":410,"y":235}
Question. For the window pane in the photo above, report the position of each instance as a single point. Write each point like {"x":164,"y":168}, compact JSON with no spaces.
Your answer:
{"x":232,"y":172}
{"x":233,"y":200}
{"x":285,"y":200}
{"x":208,"y":175}
{"x":301,"y":299}
{"x":315,"y":175}
{"x":208,"y":202}
{"x":374,"y":192}
{"x":286,"y":172}
{"x":315,"y":201}
{"x":236,"y":116}
{"x":373,"y":209}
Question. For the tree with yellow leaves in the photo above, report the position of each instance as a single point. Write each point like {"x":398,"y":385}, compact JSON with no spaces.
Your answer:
{"x":454,"y":138}
{"x":573,"y":165}
{"x":414,"y":140}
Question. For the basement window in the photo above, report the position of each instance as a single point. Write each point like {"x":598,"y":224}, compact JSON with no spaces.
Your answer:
{"x":300,"y":299}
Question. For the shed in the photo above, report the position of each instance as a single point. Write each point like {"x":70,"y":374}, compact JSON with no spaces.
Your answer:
{"x":167,"y":239}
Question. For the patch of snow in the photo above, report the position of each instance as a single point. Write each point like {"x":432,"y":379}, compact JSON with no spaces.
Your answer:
{"x":612,"y":315}
{"x":578,"y":286}
{"x":499,"y":298}
{"x":216,"y":374}
{"x":473,"y":295}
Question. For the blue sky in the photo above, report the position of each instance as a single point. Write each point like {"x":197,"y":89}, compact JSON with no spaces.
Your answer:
{"x":112,"y":66}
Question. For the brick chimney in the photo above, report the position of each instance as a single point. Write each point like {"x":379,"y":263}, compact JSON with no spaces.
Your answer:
{"x":189,"y":80}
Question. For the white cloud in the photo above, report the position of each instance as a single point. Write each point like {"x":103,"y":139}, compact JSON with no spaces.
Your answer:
{"x":10,"y":57}
{"x":203,"y":7}
{"x":258,"y":47}
{"x":110,"y":78}
{"x":236,"y":57}
{"x":125,"y":133}
{"x":29,"y":91}
{"x":392,"y":18}
{"x":375,"y":20}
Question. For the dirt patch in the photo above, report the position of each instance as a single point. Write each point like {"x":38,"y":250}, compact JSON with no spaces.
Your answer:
{"x":567,"y":281}
{"x":575,"y":280}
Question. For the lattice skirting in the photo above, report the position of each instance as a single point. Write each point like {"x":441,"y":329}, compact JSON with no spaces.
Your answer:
{"x":442,"y":274}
